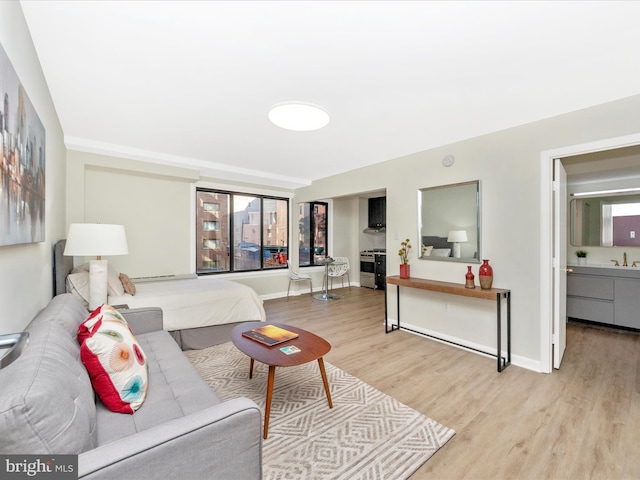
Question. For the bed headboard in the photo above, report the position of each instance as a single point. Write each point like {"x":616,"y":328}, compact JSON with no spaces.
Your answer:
{"x":437,"y":242}
{"x":62,"y":266}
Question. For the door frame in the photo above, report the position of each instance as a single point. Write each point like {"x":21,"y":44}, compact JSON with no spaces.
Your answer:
{"x":547,"y":232}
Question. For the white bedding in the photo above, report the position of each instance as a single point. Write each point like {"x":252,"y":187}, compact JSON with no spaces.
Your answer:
{"x":196,"y":302}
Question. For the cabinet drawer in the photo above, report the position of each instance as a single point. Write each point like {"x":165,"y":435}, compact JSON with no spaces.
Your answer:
{"x":592,"y":310}
{"x":591,"y":287}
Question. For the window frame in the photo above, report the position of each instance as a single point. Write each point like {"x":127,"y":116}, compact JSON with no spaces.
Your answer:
{"x":312,"y":246}
{"x":231,"y":231}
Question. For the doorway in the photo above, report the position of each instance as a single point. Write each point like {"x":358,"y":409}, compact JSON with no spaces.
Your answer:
{"x":548,"y":235}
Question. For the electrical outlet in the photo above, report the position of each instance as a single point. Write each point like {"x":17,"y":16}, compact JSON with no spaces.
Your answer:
{"x":632,"y":234}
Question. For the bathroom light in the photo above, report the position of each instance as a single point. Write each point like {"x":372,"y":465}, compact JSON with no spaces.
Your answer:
{"x":300,"y":117}
{"x":606,"y":192}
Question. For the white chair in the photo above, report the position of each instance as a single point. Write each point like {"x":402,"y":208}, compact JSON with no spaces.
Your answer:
{"x":340,"y":269}
{"x":297,"y":277}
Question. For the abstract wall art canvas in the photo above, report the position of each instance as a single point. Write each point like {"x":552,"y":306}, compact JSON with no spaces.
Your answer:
{"x":22,"y":167}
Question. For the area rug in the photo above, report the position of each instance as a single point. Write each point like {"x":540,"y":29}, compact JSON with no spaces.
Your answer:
{"x":366,"y":435}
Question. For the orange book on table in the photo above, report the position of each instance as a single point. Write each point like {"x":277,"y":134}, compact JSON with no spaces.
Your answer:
{"x":269,"y":335}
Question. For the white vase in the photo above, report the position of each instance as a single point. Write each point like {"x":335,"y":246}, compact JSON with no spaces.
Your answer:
{"x":582,"y":260}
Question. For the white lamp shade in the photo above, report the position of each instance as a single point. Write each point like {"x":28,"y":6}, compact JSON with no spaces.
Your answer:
{"x":457,"y":236}
{"x":96,"y":239}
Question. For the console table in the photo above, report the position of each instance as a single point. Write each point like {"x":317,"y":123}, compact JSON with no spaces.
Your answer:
{"x":495,"y":294}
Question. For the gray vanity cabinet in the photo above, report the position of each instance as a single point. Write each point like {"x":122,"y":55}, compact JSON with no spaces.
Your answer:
{"x":604,"y":295}
{"x":627,"y":303}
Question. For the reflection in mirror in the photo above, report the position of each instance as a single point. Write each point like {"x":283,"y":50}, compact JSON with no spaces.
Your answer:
{"x":610,"y":221}
{"x":447,"y":215}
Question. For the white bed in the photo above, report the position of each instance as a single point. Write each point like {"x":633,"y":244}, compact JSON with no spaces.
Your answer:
{"x":196,"y":302}
{"x":198,"y":312}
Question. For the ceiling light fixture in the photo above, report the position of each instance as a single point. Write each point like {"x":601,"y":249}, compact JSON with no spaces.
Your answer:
{"x":300,"y":117}
{"x":606,"y":192}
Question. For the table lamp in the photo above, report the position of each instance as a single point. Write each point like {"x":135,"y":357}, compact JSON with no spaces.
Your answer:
{"x":457,"y":237}
{"x":96,"y":239}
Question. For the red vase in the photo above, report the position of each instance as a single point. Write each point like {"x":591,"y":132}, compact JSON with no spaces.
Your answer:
{"x":469,"y":278}
{"x":486,"y":275}
{"x":405,"y":270}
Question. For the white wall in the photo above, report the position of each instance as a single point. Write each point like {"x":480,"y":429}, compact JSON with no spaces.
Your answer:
{"x":26,"y":270}
{"x":507,"y":163}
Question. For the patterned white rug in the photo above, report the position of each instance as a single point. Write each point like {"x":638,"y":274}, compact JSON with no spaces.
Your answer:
{"x":366,"y":435}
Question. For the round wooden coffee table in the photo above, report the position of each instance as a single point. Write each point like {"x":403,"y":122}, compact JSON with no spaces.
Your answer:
{"x":312,"y":347}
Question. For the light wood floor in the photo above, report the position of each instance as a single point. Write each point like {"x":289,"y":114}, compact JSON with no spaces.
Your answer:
{"x":582,"y":421}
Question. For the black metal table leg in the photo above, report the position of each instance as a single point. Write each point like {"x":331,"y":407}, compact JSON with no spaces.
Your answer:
{"x":499,"y":321}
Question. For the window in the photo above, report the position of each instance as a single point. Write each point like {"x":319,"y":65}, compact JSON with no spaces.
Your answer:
{"x":312,"y":232}
{"x":239,"y":232}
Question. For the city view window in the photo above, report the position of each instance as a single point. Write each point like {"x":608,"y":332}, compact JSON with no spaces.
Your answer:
{"x":312,"y":232}
{"x":239,"y":232}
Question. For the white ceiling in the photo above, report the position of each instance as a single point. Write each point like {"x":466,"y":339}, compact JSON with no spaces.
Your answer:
{"x":191,"y":83}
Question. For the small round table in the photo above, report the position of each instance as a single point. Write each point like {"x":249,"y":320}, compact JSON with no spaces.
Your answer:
{"x":325,"y":295}
{"x":312,"y":347}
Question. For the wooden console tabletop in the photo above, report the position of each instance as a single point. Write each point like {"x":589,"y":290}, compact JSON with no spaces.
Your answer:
{"x":495,"y":294}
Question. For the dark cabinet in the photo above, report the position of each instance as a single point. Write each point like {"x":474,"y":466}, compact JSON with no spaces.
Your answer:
{"x":381,"y":271}
{"x":378,"y":212}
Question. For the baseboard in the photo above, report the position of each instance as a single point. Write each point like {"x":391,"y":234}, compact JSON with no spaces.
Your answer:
{"x":464,"y":344}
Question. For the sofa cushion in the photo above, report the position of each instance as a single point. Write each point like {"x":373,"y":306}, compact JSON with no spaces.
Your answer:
{"x":46,"y":403}
{"x":114,"y":359}
{"x":175,"y":390}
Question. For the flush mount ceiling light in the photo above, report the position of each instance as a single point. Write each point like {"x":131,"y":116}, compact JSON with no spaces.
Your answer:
{"x":300,"y":117}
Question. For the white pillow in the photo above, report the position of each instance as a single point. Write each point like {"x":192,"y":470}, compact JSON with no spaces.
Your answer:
{"x":114,"y":285}
{"x":426,"y":250}
{"x":440,"y":252}
{"x":78,"y":284}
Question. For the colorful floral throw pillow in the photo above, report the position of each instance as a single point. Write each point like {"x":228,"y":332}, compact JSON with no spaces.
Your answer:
{"x":116,"y":364}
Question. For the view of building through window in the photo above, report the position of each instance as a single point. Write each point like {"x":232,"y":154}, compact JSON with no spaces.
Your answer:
{"x":253,"y":237}
{"x":312,"y":232}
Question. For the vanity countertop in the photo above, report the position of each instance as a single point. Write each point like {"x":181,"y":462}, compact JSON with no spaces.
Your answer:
{"x":606,"y":270}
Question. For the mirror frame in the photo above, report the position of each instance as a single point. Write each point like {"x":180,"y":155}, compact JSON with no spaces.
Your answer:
{"x":421,"y":200}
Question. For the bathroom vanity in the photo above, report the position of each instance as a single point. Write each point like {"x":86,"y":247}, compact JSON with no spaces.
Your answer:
{"x":604,"y":294}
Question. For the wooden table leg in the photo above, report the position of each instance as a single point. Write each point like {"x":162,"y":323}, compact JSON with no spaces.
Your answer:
{"x":267,"y":407}
{"x":251,"y":368}
{"x":325,"y":381}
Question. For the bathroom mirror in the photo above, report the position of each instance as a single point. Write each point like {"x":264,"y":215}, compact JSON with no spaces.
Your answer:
{"x":449,"y":223}
{"x":606,"y":221}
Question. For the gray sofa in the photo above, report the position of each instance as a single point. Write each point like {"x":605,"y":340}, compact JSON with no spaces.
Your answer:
{"x":182,"y":430}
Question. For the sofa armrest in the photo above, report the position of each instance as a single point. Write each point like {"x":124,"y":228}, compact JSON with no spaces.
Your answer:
{"x":223,"y":441}
{"x":143,"y":320}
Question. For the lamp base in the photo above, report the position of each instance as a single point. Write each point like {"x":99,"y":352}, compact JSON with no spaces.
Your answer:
{"x":97,"y":283}
{"x":456,"y":250}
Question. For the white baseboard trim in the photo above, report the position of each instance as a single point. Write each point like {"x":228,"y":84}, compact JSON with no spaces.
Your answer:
{"x":524,"y":362}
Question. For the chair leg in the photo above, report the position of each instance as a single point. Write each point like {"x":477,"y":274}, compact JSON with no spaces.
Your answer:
{"x":288,"y":289}
{"x":310,"y":288}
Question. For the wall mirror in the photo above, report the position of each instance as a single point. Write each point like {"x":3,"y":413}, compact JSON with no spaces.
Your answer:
{"x":605,"y":221}
{"x":449,"y":222}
